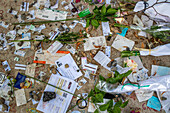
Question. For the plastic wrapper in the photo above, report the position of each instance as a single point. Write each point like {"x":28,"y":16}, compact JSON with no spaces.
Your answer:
{"x":165,"y":100}
{"x":161,"y":83}
{"x":158,"y":51}
{"x":159,"y":12}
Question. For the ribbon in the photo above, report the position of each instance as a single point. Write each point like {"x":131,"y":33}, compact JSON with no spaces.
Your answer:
{"x":136,"y":85}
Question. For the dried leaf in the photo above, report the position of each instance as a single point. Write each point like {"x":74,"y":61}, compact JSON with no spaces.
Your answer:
{"x":142,"y":45}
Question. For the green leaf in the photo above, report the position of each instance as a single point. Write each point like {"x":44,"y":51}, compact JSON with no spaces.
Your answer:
{"x":99,"y":97}
{"x":111,"y":11}
{"x":93,"y":99}
{"x":93,"y":15}
{"x":103,"y":93}
{"x":116,"y":110}
{"x":88,"y":16}
{"x":14,"y":80}
{"x":104,"y":106}
{"x":101,"y":78}
{"x":110,"y":103}
{"x":108,"y":7}
{"x":101,"y":7}
{"x":116,"y":74}
{"x":110,"y":108}
{"x":105,"y":19}
{"x":87,"y":23}
{"x":96,"y":111}
{"x":96,"y":10}
{"x":8,"y":77}
{"x":118,"y":77}
{"x":91,"y":93}
{"x":124,"y":104}
{"x":118,"y":104}
{"x":103,"y":10}
{"x":96,"y":27}
{"x":96,"y":89}
{"x":127,"y":73}
{"x":111,"y":80}
{"x":95,"y":23}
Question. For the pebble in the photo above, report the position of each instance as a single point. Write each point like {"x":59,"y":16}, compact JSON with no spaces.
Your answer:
{"x":48,"y":96}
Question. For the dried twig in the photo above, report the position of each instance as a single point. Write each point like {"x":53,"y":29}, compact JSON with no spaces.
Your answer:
{"x":152,"y":6}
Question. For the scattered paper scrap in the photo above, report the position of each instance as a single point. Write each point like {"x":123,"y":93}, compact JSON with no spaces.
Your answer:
{"x":63,"y":99}
{"x":54,"y":47}
{"x":47,"y":58}
{"x":67,"y":67}
{"x":102,"y":59}
{"x":160,"y":70}
{"x":121,"y":43}
{"x":6,"y":66}
{"x":105,"y":28}
{"x":50,"y":14}
{"x":94,"y":43}
{"x":20,"y":97}
{"x":143,"y":95}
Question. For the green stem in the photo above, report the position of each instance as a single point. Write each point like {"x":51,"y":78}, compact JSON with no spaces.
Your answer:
{"x":51,"y":85}
{"x":44,"y":22}
{"x":43,"y":41}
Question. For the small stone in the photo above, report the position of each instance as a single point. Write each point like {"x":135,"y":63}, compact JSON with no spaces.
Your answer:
{"x":9,"y":92}
{"x":2,"y":100}
{"x":23,"y":17}
{"x":48,"y":96}
{"x":4,"y":107}
{"x":16,"y":16}
{"x":74,"y":10}
{"x":28,"y":63}
{"x":61,"y":28}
